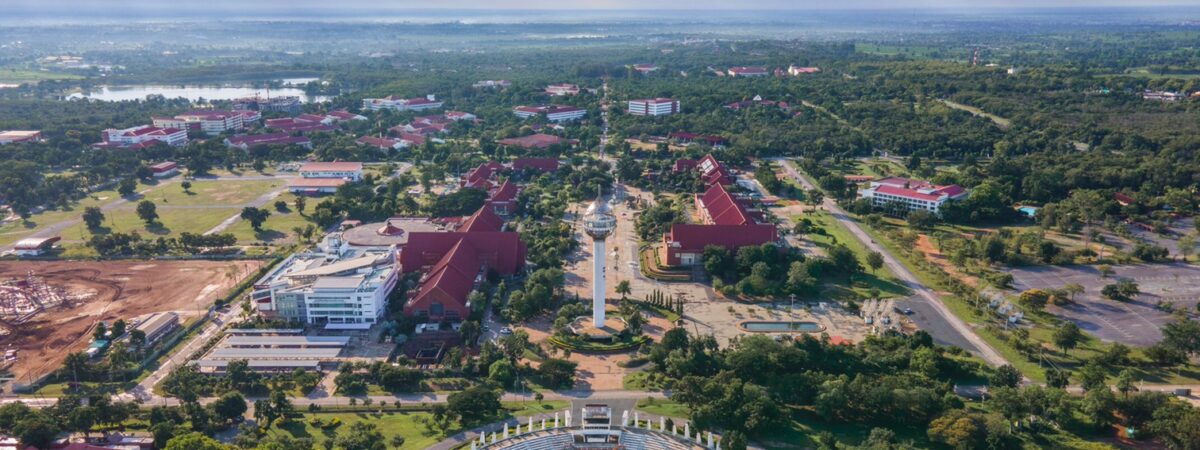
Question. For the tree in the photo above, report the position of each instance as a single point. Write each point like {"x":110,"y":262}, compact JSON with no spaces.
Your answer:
{"x":921,"y":219}
{"x":230,"y":406}
{"x":300,"y":202}
{"x":82,"y":419}
{"x":264,"y":413}
{"x":623,"y":289}
{"x":1092,"y":377}
{"x":360,"y":436}
{"x":1073,"y":289}
{"x":1098,"y":406}
{"x":960,"y":429}
{"x":1005,"y":376}
{"x":281,"y":206}
{"x":844,"y":260}
{"x":1058,"y":379}
{"x":256,"y":216}
{"x":1122,"y":290}
{"x":1186,"y":245}
{"x":874,"y":261}
{"x":1067,"y":336}
{"x":93,"y":217}
{"x":147,"y":211}
{"x":474,"y":404}
{"x":1125,"y":382}
{"x":37,"y":430}
{"x":557,"y":373}
{"x":1178,"y":425}
{"x":502,"y":373}
{"x":118,"y":328}
{"x":1035,"y":299}
{"x":193,"y":441}
{"x":100,"y":332}
{"x":126,"y":187}
{"x":187,"y":186}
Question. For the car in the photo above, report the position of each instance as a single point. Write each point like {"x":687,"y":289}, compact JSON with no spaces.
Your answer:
{"x":905,"y":310}
{"x":506,"y":331}
{"x":485,"y":328}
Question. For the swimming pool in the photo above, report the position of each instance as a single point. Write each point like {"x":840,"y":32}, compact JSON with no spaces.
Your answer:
{"x":781,"y":327}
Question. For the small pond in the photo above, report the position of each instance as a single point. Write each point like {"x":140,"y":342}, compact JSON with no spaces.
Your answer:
{"x":781,"y":327}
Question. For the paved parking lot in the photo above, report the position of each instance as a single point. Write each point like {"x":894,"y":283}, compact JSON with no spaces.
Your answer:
{"x":1135,"y":323}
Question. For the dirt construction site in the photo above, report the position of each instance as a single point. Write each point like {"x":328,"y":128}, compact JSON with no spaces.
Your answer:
{"x":48,"y":309}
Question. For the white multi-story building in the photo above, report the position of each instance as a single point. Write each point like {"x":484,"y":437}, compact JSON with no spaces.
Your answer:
{"x":553,"y":113}
{"x":209,"y":122}
{"x":401,"y":104}
{"x":351,"y":171}
{"x":492,"y":84}
{"x":912,"y":194}
{"x":653,"y":107}
{"x":561,"y":90}
{"x":144,"y":135}
{"x":336,"y":284}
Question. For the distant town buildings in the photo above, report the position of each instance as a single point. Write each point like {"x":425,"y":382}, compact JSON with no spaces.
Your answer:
{"x":794,"y":70}
{"x":645,"y":68}
{"x":382,"y":143}
{"x":436,"y":124}
{"x":554,"y":113}
{"x":536,"y":141}
{"x":492,"y":84}
{"x":141,"y":137}
{"x":401,"y":104}
{"x":757,"y":101}
{"x":653,"y":107}
{"x":748,"y":71}
{"x":209,"y":122}
{"x":18,"y":136}
{"x":912,"y":194}
{"x":683,"y":138}
{"x":165,"y":169}
{"x":1162,"y":96}
{"x":561,"y":90}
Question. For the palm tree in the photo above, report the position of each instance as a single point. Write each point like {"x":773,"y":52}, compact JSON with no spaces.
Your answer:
{"x":624,"y":289}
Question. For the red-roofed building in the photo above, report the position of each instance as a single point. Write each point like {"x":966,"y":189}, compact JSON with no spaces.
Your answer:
{"x":1123,"y":200}
{"x":757,"y":101}
{"x":501,"y":251}
{"x":315,"y":186}
{"x":912,"y":194}
{"x":303,"y":123}
{"x":165,"y":169}
{"x":481,"y":177}
{"x":142,"y":137}
{"x":210,"y":122}
{"x":747,"y":71}
{"x":645,"y":68}
{"x":503,"y":199}
{"x":540,"y":164}
{"x":797,"y":70}
{"x":717,"y":206}
{"x":444,"y":292}
{"x":538,"y":140}
{"x":687,"y":138}
{"x":342,"y":115}
{"x":380,"y":143}
{"x":684,"y":244}
{"x":17,"y":136}
{"x":485,"y":219}
{"x":457,"y":263}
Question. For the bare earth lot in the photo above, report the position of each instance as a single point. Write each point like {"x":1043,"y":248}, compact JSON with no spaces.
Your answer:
{"x":109,"y":291}
{"x":1135,"y":323}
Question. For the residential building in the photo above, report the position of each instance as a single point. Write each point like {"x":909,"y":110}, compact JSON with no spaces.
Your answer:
{"x":748,"y":71}
{"x":165,"y":169}
{"x":912,"y":194}
{"x":653,"y":107}
{"x":401,"y":104}
{"x":794,"y":70}
{"x":336,"y":285}
{"x":554,"y":113}
{"x":683,"y":138}
{"x":492,"y":84}
{"x":17,"y":136}
{"x":142,"y":136}
{"x":538,"y":140}
{"x":246,"y":141}
{"x":210,"y":122}
{"x":562,"y":90}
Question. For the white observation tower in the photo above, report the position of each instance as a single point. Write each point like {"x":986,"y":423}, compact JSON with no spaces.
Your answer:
{"x":599,"y":223}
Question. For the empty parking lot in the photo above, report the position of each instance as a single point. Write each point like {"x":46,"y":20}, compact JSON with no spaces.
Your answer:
{"x":1137,"y":322}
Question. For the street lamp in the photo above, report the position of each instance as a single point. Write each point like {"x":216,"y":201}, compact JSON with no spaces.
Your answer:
{"x":792,"y":308}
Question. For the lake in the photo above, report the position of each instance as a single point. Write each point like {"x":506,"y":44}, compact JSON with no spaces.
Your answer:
{"x":194,"y":93}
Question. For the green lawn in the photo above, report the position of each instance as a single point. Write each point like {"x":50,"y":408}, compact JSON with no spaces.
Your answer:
{"x":404,"y":424}
{"x":662,"y":407}
{"x":14,"y":75}
{"x":279,"y":224}
{"x":172,"y":222}
{"x":14,"y":231}
{"x":883,"y":279}
{"x":213,"y":192}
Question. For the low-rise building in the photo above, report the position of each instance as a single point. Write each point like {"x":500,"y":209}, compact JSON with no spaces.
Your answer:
{"x":303,"y":123}
{"x":35,"y":246}
{"x":684,"y":245}
{"x":352,"y":171}
{"x":653,"y":107}
{"x":492,"y":84}
{"x":561,"y":90}
{"x":645,"y":68}
{"x":748,"y":71}
{"x":912,"y":194}
{"x":795,"y":70}
{"x":684,"y":138}
{"x":18,"y":136}
{"x":142,"y":136}
{"x":538,"y":140}
{"x":1162,"y":96}
{"x":157,"y":326}
{"x":165,"y":169}
{"x":382,"y":142}
{"x":289,"y":105}
{"x":246,"y":141}
{"x":554,"y":113}
{"x":401,"y":104}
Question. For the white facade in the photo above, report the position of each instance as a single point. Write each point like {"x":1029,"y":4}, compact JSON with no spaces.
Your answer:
{"x":334,"y":284}
{"x":141,"y":134}
{"x":913,"y":195}
{"x":401,"y":104}
{"x":555,"y":114}
{"x":347,"y":171}
{"x":653,"y":107}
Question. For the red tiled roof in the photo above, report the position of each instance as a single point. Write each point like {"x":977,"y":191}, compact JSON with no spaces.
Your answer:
{"x":1123,"y":198}
{"x":536,"y":141}
{"x":543,"y":164}
{"x":694,"y":237}
{"x":501,"y":251}
{"x":413,"y":138}
{"x":723,"y":209}
{"x":164,"y":166}
{"x":267,"y":139}
{"x":303,"y":183}
{"x":907,"y":193}
{"x":485,"y":219}
{"x":481,"y":174}
{"x":377,"y":142}
{"x":507,"y":192}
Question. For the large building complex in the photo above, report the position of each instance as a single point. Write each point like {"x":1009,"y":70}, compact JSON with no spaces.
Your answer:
{"x":401,"y":104}
{"x":209,"y":122}
{"x":745,"y":71}
{"x":653,"y":107}
{"x":912,"y":194}
{"x":725,"y":219}
{"x":560,"y":90}
{"x":17,"y":136}
{"x":336,"y":285}
{"x":325,"y":177}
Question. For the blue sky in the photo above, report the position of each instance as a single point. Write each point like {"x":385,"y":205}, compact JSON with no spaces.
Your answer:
{"x":115,"y":5}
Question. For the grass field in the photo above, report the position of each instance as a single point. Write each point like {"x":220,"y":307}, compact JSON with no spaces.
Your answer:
{"x":213,"y":192}
{"x":661,"y":407}
{"x":999,"y":121}
{"x":17,"y":76}
{"x":171,"y":222}
{"x":279,"y":225}
{"x":883,"y":279}
{"x":14,"y":231}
